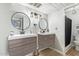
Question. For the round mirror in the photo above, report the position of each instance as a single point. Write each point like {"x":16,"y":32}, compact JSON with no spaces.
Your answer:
{"x":43,"y":24}
{"x":20,"y":21}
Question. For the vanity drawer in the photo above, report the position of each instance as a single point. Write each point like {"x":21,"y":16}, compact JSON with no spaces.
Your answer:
{"x":15,"y":41}
{"x":21,"y":50}
{"x":21,"y":42}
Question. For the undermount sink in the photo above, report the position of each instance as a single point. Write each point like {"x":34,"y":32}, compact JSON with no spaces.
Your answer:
{"x":17,"y":36}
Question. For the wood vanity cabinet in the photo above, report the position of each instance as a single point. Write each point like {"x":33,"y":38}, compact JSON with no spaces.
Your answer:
{"x":46,"y":41}
{"x":22,"y":46}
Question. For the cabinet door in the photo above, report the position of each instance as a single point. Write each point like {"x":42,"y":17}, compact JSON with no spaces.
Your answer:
{"x":45,"y":41}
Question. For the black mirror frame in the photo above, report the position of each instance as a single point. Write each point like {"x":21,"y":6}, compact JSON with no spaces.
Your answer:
{"x":25,"y":15}
{"x":40,"y":26}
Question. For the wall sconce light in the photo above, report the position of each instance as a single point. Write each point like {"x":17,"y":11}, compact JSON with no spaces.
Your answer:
{"x":36,"y":15}
{"x":31,"y":15}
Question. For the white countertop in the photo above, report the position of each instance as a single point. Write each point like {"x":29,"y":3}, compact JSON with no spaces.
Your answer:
{"x":17,"y":36}
{"x":47,"y":33}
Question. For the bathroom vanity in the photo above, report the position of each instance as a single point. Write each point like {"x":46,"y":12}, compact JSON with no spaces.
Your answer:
{"x":20,"y":45}
{"x":46,"y":40}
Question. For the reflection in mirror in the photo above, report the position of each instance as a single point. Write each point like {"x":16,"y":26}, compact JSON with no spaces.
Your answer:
{"x":43,"y":25}
{"x":20,"y":21}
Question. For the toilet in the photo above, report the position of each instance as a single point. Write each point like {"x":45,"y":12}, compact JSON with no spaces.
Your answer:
{"x":76,"y":42}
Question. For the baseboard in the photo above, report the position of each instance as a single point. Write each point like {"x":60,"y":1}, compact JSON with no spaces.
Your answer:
{"x":67,"y":48}
{"x":30,"y":54}
{"x":58,"y":51}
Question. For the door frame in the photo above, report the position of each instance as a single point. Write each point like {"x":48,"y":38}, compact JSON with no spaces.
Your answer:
{"x":70,"y":45}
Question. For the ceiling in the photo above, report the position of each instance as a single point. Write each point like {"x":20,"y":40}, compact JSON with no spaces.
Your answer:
{"x":59,"y":6}
{"x":50,"y":7}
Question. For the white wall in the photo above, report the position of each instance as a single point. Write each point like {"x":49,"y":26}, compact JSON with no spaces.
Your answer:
{"x":4,"y":28}
{"x":21,"y":8}
{"x":56,"y":20}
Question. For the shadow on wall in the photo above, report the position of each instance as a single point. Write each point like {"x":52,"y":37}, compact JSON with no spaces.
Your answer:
{"x":57,"y":44}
